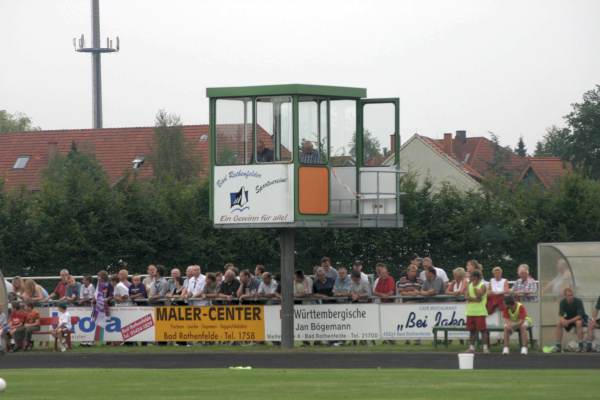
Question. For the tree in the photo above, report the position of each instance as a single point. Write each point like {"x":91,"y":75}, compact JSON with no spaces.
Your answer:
{"x":16,"y":122}
{"x":554,"y":144}
{"x":500,"y":158}
{"x":371,"y":146}
{"x":520,"y":149}
{"x":171,"y":157}
{"x":584,"y":142}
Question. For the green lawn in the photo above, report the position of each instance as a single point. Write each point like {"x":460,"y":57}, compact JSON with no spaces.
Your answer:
{"x":290,"y":384}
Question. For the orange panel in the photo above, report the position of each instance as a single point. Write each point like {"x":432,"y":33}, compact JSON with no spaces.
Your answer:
{"x":313,"y":188}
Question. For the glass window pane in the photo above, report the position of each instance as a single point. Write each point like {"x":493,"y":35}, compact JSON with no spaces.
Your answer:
{"x":312,"y":124}
{"x":343,"y":132}
{"x":234,"y":142}
{"x":274,"y":129}
{"x":379,"y":124}
{"x":21,"y":162}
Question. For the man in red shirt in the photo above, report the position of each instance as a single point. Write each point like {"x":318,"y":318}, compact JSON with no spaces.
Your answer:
{"x":385,"y":286}
{"x":32,"y":324}
{"x":61,"y":288}
{"x":16,"y":325}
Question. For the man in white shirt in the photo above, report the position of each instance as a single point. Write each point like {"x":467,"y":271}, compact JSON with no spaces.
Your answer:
{"x":268,"y":286}
{"x":195,"y":286}
{"x":121,"y":294}
{"x":358,"y":266}
{"x":440,"y":273}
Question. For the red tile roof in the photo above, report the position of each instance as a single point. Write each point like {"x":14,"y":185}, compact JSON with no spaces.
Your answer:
{"x":114,"y":148}
{"x":439,"y":146}
{"x":547,"y":169}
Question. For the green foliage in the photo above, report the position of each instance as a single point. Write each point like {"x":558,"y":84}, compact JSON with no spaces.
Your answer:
{"x":371,"y":146}
{"x":497,"y":165}
{"x":554,"y":144}
{"x":16,"y":122}
{"x":521,"y":150}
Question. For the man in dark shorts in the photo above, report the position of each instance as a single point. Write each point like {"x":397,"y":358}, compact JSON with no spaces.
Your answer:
{"x":593,"y":323}
{"x":571,"y":315}
{"x":477,"y":312}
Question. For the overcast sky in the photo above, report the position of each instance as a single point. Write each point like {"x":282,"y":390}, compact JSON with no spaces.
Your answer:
{"x":511,"y":67}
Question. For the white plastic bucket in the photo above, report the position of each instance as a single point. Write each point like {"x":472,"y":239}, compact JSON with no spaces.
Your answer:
{"x":465,"y":360}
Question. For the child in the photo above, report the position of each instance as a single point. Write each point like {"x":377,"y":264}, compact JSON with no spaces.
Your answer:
{"x":87,"y":291}
{"x":63,"y":327}
{"x":476,"y":311}
{"x":137,"y":290}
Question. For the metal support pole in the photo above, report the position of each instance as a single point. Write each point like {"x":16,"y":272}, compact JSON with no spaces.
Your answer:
{"x":286,"y":243}
{"x":96,"y":67}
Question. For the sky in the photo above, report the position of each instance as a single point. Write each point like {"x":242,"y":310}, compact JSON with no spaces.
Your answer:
{"x":508,"y":67}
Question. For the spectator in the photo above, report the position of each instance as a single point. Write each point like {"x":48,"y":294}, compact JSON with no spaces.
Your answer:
{"x":357,"y":265}
{"x":410,"y":284}
{"x":137,"y":290}
{"x":377,"y":273}
{"x":73,"y":289}
{"x":230,"y":266}
{"x":341,"y":287}
{"x":175,"y":274}
{"x":458,"y":286}
{"x":593,"y":323}
{"x":175,"y":294}
{"x":323,"y":285}
{"x":259,"y":270}
{"x":18,"y":288}
{"x":359,"y":289}
{"x":149,"y":280}
{"x":433,"y":284}
{"x":248,"y":286}
{"x":195,"y":285}
{"x":31,"y":324}
{"x":263,"y":153}
{"x":159,"y":287}
{"x":61,"y":288}
{"x":308,"y":153}
{"x":440,"y":273}
{"x":561,"y":281}
{"x":86,"y":291}
{"x":268,"y":286}
{"x":33,"y":292}
{"x":385,"y":286}
{"x":571,"y":315}
{"x":188,"y":276}
{"x":229,"y":287}
{"x":113,"y":281}
{"x":211,"y":287}
{"x":330,"y":272}
{"x":16,"y":325}
{"x":121,"y":289}
{"x":219,"y":277}
{"x":302,"y":285}
{"x":525,"y":288}
{"x":4,"y":331}
{"x":124,"y":277}
{"x":476,"y":311}
{"x":63,"y":328}
{"x":497,"y":288}
{"x":515,"y":318}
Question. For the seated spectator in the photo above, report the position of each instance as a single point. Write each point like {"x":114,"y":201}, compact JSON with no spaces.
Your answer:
{"x":175,"y":274}
{"x":359,"y":289}
{"x":593,"y":323}
{"x":259,"y":270}
{"x":341,"y":287}
{"x":571,"y":315}
{"x":357,"y":265}
{"x":302,"y":285}
{"x":248,"y":286}
{"x":458,"y":285}
{"x":60,"y":290}
{"x":121,"y":291}
{"x":86,"y":291}
{"x":515,"y":318}
{"x":229,"y":287}
{"x":433,"y":284}
{"x":323,"y":285}
{"x":137,"y":290}
{"x":63,"y":327}
{"x":31,"y":324}
{"x":159,"y":287}
{"x":211,"y":287}
{"x":16,"y":324}
{"x":385,"y":286}
{"x":410,"y":284}
{"x":440,"y":273}
{"x":497,"y":288}
{"x":525,"y":288}
{"x":330,"y":272}
{"x":72,"y":293}
{"x":268,"y":286}
{"x":33,"y":292}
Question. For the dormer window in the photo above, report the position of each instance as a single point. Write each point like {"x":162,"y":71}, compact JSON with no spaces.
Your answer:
{"x":21,"y":162}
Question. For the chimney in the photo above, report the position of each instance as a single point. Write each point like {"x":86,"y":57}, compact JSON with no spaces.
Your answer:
{"x":448,"y":143}
{"x":52,"y":150}
{"x":393,"y":143}
{"x":461,"y":137}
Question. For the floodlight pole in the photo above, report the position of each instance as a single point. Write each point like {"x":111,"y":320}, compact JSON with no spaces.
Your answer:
{"x":287,"y":245}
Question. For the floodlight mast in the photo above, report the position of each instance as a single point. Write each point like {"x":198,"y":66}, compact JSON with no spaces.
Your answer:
{"x":96,"y":52}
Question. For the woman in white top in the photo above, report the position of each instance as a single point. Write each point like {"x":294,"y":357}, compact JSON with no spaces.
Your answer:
{"x":497,"y":288}
{"x":458,"y":285}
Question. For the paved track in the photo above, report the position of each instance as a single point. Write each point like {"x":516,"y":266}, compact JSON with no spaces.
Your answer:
{"x":295,"y":360}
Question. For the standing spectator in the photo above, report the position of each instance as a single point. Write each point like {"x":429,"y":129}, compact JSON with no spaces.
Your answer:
{"x":72,"y":293}
{"x":593,"y":323}
{"x":175,"y":274}
{"x":86,"y":291}
{"x":61,"y":288}
{"x":121,"y":290}
{"x":359,"y":289}
{"x":302,"y":285}
{"x":159,"y":287}
{"x":229,"y":287}
{"x":259,"y":270}
{"x":341,"y":287}
{"x":433,"y":284}
{"x":195,"y":286}
{"x":571,"y":315}
{"x":137,"y":290}
{"x":219,"y":277}
{"x":33,"y":292}
{"x":525,"y":288}
{"x":248,"y":286}
{"x":497,"y":288}
{"x":440,"y":273}
{"x":357,"y":265}
{"x":31,"y":324}
{"x":473,"y":265}
{"x":149,"y":280}
{"x":410,"y":284}
{"x":175,"y":294}
{"x":63,"y":328}
{"x":458,"y":285}
{"x":211,"y":287}
{"x":515,"y":318}
{"x":323,"y":285}
{"x":113,"y":281}
{"x":124,"y":277}
{"x":18,"y":288}
{"x":268,"y":286}
{"x":329,"y":270}
{"x":385,"y":287}
{"x":477,"y":312}
{"x":188,"y":276}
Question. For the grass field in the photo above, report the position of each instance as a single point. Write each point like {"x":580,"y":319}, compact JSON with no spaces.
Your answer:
{"x":304,"y":384}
